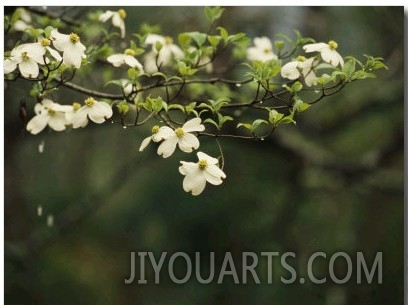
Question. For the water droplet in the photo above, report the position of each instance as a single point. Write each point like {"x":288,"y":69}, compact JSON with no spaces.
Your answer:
{"x":39,"y":210}
{"x":112,"y":122}
{"x":50,"y":220}
{"x":41,"y":147}
{"x":262,"y":139}
{"x":124,"y":127}
{"x":261,"y":102}
{"x":238,"y":85}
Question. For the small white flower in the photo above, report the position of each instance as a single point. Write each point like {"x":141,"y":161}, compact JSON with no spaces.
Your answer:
{"x":162,"y":56}
{"x":27,"y":57}
{"x":181,"y":136}
{"x":98,"y":112}
{"x":301,"y":66}
{"x":198,"y":174}
{"x":71,"y":46}
{"x":128,"y":58}
{"x":45,"y":43}
{"x":48,"y":113}
{"x":118,"y":19}
{"x":262,"y":50}
{"x":24,"y":20}
{"x":156,"y":136}
{"x":327,"y":51}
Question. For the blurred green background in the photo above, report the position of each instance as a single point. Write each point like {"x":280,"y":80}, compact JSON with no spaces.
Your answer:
{"x":333,"y":182}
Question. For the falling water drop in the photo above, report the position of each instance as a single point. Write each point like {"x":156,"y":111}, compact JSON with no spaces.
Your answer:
{"x":41,"y":147}
{"x":39,"y":210}
{"x":50,"y":220}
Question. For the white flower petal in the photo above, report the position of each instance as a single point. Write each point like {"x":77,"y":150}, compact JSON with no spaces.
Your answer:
{"x":204,"y":156}
{"x":37,"y":123}
{"x":29,"y":68}
{"x":194,"y":182}
{"x":116,"y":59}
{"x":9,"y":66}
{"x":164,"y":132}
{"x":193,"y":125}
{"x":215,"y":171}
{"x":315,"y":47}
{"x":57,"y":121}
{"x":133,"y":62}
{"x":167,"y":147}
{"x":290,"y":70}
{"x":80,"y":118}
{"x":145,"y":142}
{"x":99,"y":112}
{"x":54,"y":54}
{"x":214,"y":180}
{"x":187,"y":167}
{"x":188,"y":142}
{"x":105,"y":16}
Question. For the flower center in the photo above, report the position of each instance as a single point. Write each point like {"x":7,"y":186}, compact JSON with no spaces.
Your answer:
{"x":90,"y":102}
{"x":266,"y":51}
{"x":51,"y":111}
{"x":24,"y":56}
{"x":169,"y":40}
{"x":122,"y":13}
{"x":202,"y":164}
{"x":179,"y":132}
{"x":76,"y":106}
{"x":301,"y":58}
{"x":130,"y":52}
{"x":74,"y":38}
{"x":155,"y":129}
{"x":45,"y":42}
{"x":333,"y":45}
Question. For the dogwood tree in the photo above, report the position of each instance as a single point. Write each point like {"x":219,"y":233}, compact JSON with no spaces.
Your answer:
{"x":170,"y":82}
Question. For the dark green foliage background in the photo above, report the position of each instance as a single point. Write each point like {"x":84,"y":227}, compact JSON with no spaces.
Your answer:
{"x":333,"y":182}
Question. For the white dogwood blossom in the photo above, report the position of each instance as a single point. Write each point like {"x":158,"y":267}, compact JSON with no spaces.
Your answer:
{"x":327,"y":51}
{"x":301,"y":66}
{"x":182,"y":136}
{"x":26,"y":57}
{"x":118,"y":19}
{"x":71,"y":46}
{"x":48,"y":113}
{"x":262,"y":50}
{"x":162,"y":53}
{"x":156,"y":136}
{"x":97,"y":112}
{"x":198,"y":174}
{"x":45,"y":43}
{"x":128,"y":58}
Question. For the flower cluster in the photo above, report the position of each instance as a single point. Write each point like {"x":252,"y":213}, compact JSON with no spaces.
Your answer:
{"x":197,"y":174}
{"x":28,"y":57}
{"x":163,"y":74}
{"x":301,"y":66}
{"x":58,"y":117}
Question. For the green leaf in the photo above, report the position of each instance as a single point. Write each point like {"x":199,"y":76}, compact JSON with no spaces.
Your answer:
{"x":245,"y":125}
{"x":223,"y":33}
{"x":176,"y":106}
{"x":300,"y":106}
{"x":133,"y":73}
{"x":213,"y":13}
{"x":211,"y":121}
{"x":123,"y":107}
{"x":223,"y":119}
{"x":214,"y":40}
{"x":349,"y":67}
